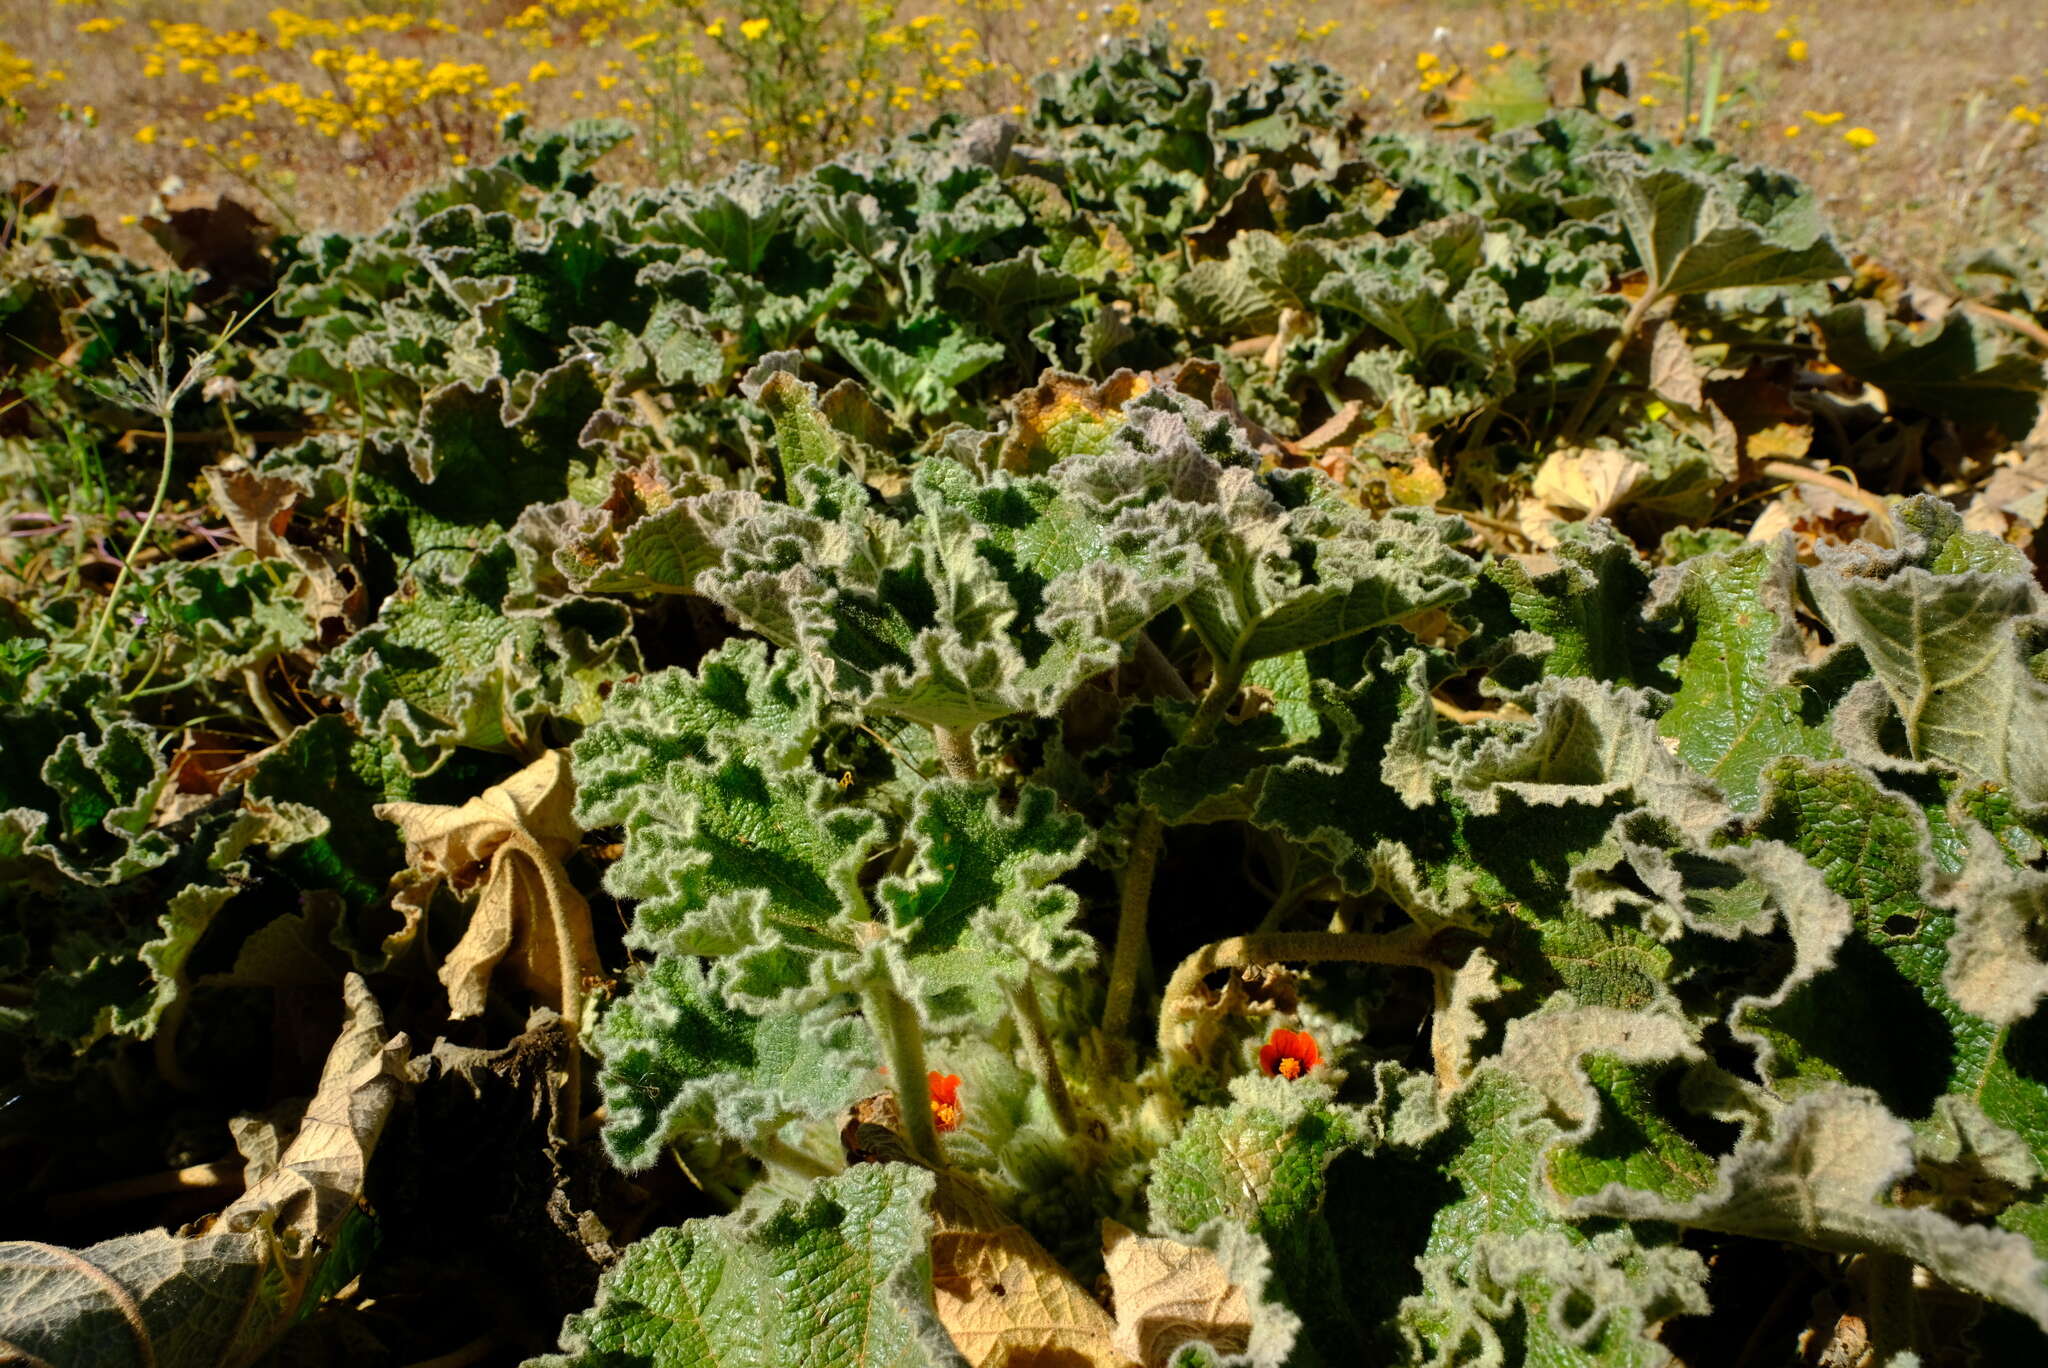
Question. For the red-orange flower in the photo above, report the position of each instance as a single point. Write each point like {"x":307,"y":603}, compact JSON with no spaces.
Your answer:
{"x":946,"y":1111}
{"x":1289,"y":1054}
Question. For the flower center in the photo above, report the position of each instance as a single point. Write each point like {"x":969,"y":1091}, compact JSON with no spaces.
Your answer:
{"x":946,"y":1115}
{"x":1290,"y":1067}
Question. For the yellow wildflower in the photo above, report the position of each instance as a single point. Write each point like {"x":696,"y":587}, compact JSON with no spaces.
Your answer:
{"x":1860,"y":136}
{"x":146,"y":134}
{"x":751,"y":29}
{"x":1796,"y":50}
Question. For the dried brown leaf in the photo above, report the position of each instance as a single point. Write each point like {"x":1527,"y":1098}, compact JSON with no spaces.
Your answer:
{"x":221,"y":1291}
{"x":1168,"y":1293}
{"x":511,"y":841}
{"x":1005,"y":1301}
{"x":1586,"y":482}
{"x":1674,"y":375}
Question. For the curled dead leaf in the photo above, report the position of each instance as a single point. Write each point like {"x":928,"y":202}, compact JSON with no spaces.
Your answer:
{"x":1574,"y":484}
{"x":1005,"y":1301}
{"x":1168,"y":1294}
{"x":259,"y":510}
{"x":1587,"y":482}
{"x":509,"y":842}
{"x":1674,"y":375}
{"x":224,"y":1289}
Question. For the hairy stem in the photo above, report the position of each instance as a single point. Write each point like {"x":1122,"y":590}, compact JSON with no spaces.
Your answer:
{"x":476,"y":1351}
{"x":1160,"y":670}
{"x":1038,"y":1052}
{"x":772,"y":1149}
{"x":956,"y":752}
{"x":901,"y":1036}
{"x":221,"y":1174}
{"x":1140,"y":869}
{"x":1581,"y":410}
{"x":156,"y":503}
{"x":1130,"y":933}
{"x":576,"y":952}
{"x":1408,"y":946}
{"x":266,"y":703}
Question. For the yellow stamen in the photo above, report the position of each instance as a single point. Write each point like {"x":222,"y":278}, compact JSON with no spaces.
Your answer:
{"x":1290,"y":1067}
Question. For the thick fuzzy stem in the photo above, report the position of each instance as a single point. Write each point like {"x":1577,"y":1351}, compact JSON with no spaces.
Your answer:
{"x":1038,"y":1052}
{"x":266,"y":703}
{"x":1160,"y":670}
{"x":901,"y":1036}
{"x":772,"y":1149}
{"x":1584,"y":408}
{"x":578,"y":966}
{"x":956,"y":752}
{"x":1130,"y":933}
{"x":1140,"y":869}
{"x":1408,"y":946}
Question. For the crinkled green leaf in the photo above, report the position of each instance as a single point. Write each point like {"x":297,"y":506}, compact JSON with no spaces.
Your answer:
{"x":1591,"y":608}
{"x":236,"y":613}
{"x":647,"y":540}
{"x":980,"y":909}
{"x":1261,"y":1162}
{"x":445,"y":665}
{"x":1962,"y":368}
{"x":1505,"y":1276}
{"x":677,"y":1060}
{"x":95,"y":790}
{"x":1950,"y":652}
{"x":1882,"y":1018}
{"x":1290,"y":566}
{"x":742,"y":697}
{"x":919,"y":367}
{"x":732,"y":859}
{"x":1823,"y":1177}
{"x":1694,"y":234}
{"x":839,"y":1279}
{"x":1739,"y":706}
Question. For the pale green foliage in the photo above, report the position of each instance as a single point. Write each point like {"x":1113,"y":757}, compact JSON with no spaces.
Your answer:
{"x":1032,"y":745}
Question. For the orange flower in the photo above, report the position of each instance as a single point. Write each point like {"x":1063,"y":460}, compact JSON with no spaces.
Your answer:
{"x":1289,"y":1054}
{"x":946,"y":1100}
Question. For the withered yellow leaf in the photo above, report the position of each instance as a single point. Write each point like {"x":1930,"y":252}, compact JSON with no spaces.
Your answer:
{"x":1065,"y":414}
{"x":1006,"y":1302}
{"x":1588,"y":482}
{"x":1167,"y":1294}
{"x":528,"y":912}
